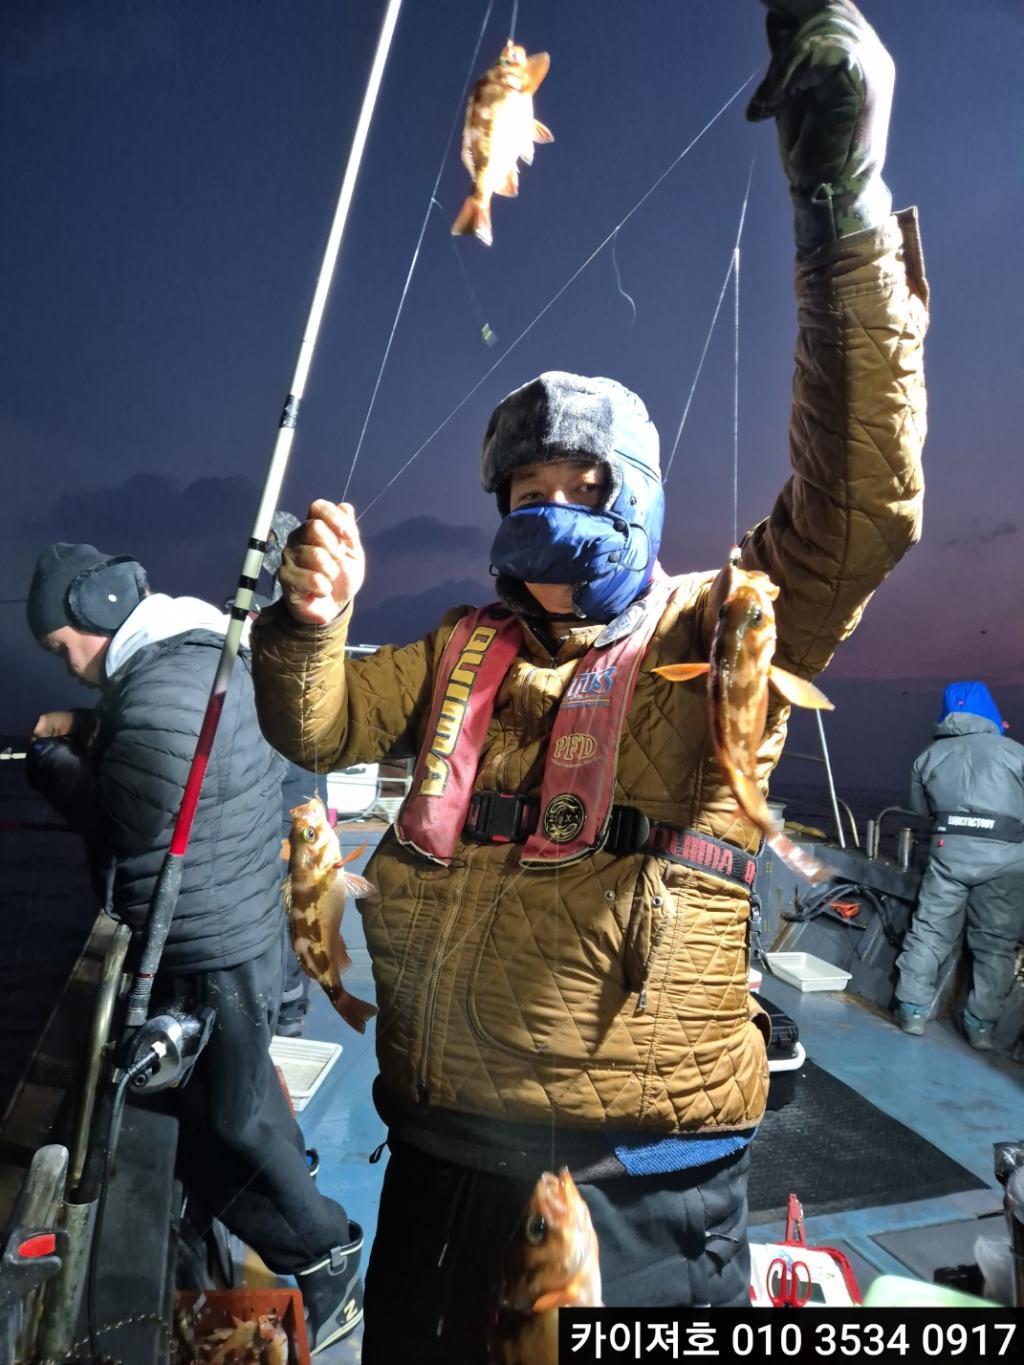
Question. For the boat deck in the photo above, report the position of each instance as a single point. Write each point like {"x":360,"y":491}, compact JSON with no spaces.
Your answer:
{"x":936,"y":1085}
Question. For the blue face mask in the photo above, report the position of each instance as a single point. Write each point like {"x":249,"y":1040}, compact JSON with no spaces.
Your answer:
{"x":607,"y":560}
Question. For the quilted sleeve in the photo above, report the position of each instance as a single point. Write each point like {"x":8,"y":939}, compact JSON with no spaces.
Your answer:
{"x":852,"y":507}
{"x":324,"y":711}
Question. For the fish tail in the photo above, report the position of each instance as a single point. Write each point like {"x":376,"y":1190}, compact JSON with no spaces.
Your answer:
{"x":355,"y":1012}
{"x":798,"y":860}
{"x":475,"y":218}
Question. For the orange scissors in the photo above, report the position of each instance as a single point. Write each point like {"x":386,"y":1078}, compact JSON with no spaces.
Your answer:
{"x":788,"y":1283}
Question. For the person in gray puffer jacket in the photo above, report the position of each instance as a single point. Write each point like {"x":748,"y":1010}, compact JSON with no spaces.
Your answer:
{"x":971,"y":781}
{"x":116,"y":773}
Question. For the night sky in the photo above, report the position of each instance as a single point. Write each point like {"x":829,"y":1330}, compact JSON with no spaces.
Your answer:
{"x":169,"y":171}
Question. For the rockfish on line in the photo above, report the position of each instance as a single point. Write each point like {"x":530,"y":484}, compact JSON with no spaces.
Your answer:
{"x":500,"y":130}
{"x":739,"y":674}
{"x":314,"y":896}
{"x":552,"y":1263}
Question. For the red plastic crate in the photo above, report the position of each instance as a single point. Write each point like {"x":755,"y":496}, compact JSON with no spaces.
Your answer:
{"x":222,"y":1306}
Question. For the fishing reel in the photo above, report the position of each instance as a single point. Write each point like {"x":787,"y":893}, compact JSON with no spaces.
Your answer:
{"x":164,"y":1049}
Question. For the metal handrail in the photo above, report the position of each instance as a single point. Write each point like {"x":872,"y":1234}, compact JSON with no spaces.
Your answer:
{"x":837,"y":801}
{"x":37,"y":1207}
{"x":853,"y":823}
{"x":109,"y":985}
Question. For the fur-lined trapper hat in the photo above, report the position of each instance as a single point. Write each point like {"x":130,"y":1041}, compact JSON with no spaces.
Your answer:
{"x":561,"y":416}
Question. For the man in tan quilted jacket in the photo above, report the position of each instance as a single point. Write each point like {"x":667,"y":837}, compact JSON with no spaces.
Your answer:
{"x":559,"y":935}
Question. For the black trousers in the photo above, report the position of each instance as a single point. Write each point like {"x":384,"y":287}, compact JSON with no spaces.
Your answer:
{"x":241,"y":1154}
{"x":677,"y":1240}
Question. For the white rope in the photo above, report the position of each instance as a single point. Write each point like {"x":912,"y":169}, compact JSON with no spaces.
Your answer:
{"x":459,"y":113}
{"x":554,"y":299}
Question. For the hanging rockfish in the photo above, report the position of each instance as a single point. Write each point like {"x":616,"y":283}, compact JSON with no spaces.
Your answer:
{"x":314,"y":896}
{"x":739,"y":674}
{"x":552,"y":1263}
{"x":500,"y":131}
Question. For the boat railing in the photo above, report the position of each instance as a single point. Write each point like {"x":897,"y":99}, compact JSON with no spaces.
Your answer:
{"x":34,"y":1219}
{"x":837,"y":801}
{"x":904,"y":843}
{"x":392,"y":789}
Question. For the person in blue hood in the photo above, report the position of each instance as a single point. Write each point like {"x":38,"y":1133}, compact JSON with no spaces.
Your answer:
{"x":970,"y":780}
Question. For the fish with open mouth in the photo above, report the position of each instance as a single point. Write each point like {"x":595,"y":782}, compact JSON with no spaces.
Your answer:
{"x":314,"y":896}
{"x":551,"y":1263}
{"x":740,"y":672}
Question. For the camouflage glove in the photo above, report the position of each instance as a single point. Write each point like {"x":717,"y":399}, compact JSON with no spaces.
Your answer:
{"x":829,"y":88}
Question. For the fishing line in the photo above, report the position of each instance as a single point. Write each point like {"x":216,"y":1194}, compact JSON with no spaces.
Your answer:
{"x":554,"y":299}
{"x":618,"y":277}
{"x":515,"y":19}
{"x":489,"y":336}
{"x":459,"y":114}
{"x":733,"y":267}
{"x":736,"y":399}
{"x":700,"y":366}
{"x":736,"y":362}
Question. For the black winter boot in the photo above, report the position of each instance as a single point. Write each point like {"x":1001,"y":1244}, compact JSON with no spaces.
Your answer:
{"x":333,"y":1292}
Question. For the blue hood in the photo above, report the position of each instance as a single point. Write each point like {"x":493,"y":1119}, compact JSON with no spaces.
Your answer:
{"x":972,"y":697}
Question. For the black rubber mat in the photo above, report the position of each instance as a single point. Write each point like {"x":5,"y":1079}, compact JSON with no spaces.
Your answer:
{"x":837,"y":1152}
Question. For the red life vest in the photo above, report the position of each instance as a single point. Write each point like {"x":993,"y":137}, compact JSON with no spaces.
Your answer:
{"x":579,"y":773}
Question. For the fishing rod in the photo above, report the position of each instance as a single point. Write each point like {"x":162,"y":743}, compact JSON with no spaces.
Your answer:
{"x":168,"y":883}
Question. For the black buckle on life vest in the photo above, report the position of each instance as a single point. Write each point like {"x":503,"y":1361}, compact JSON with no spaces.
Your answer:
{"x":629,"y":831}
{"x":500,"y":818}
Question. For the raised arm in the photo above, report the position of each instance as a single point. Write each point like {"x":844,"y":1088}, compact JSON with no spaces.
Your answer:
{"x":853,"y":504}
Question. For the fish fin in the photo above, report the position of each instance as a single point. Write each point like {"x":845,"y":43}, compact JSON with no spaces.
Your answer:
{"x":541,"y":132}
{"x":798,"y":691}
{"x":358,"y":886}
{"x":553,"y":1299}
{"x":286,"y":895}
{"x":355,"y":1012}
{"x":286,"y":850}
{"x":356,"y":853}
{"x":510,"y":189}
{"x":475,"y":218}
{"x":537,"y":68}
{"x":798,"y":860}
{"x":341,"y":956}
{"x":682,"y":672}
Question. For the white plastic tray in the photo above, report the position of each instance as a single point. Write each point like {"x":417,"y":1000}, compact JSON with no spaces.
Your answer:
{"x":793,"y":1063}
{"x":807,"y":972}
{"x":305,"y":1064}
